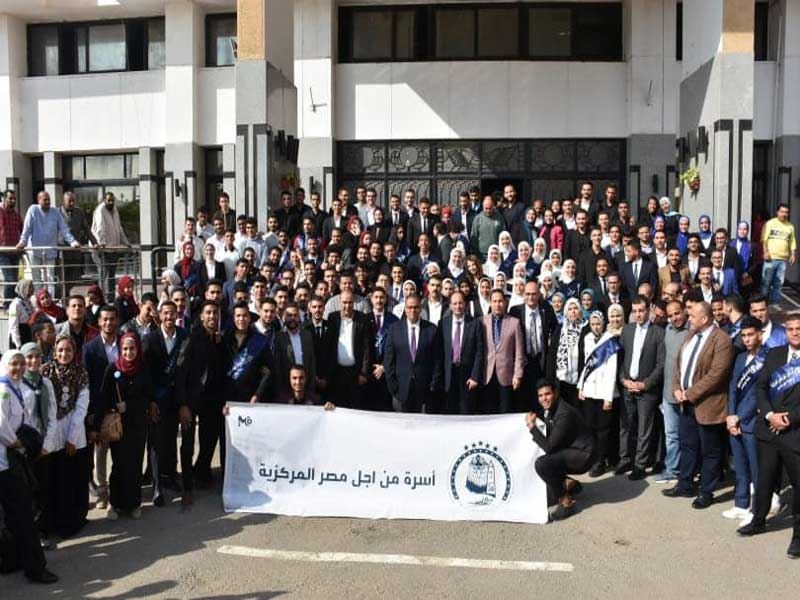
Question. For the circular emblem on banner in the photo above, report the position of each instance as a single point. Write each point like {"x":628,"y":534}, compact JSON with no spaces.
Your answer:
{"x":480,"y":476}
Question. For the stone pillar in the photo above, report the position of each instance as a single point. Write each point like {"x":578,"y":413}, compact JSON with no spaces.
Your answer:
{"x":14,"y":167}
{"x":229,"y":172}
{"x":148,"y":209}
{"x":653,"y":76}
{"x":314,"y":35}
{"x":716,"y":109}
{"x":183,"y":160}
{"x":265,"y":101}
{"x":53,"y":181}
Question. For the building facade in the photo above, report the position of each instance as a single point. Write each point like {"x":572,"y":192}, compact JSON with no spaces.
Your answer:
{"x":166,"y":102}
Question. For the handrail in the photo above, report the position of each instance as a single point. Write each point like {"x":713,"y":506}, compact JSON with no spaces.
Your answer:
{"x":14,"y":249}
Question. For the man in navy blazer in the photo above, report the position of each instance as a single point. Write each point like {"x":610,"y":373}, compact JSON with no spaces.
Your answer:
{"x":462,"y":363}
{"x":742,"y":409}
{"x":636,"y":271}
{"x":724,"y":279}
{"x":382,"y":319}
{"x":411,"y":361}
{"x":772,"y":334}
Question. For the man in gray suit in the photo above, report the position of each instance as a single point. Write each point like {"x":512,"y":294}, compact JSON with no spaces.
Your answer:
{"x":78,"y":223}
{"x":641,"y":376}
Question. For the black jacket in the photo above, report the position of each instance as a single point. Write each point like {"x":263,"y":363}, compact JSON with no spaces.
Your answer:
{"x":788,"y":401}
{"x":162,"y":369}
{"x":566,"y":429}
{"x":257,"y":376}
{"x":199,"y":379}
{"x":363,"y":344}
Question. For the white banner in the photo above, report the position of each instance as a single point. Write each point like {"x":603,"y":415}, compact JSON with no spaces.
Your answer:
{"x":305,"y":461}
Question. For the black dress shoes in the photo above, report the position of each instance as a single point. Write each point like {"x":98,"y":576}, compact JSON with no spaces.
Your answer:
{"x":794,"y":548}
{"x":561,"y":512}
{"x":597,"y":470}
{"x":623,"y":468}
{"x":751,"y":529}
{"x":702,"y":502}
{"x":44,"y":576}
{"x":637,"y":475}
{"x":677,"y":492}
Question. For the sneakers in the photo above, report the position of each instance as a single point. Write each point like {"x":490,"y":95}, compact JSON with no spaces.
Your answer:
{"x":736,"y":513}
{"x":112,"y":514}
{"x":665,"y":477}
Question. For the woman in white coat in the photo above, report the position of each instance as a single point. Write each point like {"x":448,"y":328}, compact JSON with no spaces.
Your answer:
{"x":597,"y":386}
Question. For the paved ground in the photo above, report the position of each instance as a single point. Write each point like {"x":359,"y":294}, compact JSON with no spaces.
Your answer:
{"x":627,"y":539}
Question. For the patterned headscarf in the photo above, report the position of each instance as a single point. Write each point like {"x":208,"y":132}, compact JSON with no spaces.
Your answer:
{"x":68,"y":380}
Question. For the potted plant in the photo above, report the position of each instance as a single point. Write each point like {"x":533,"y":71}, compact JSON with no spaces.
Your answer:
{"x":691,"y":177}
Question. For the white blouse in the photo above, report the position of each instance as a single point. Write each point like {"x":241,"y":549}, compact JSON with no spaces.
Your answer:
{"x":11,"y":415}
{"x":71,"y":427}
{"x":601,"y":384}
{"x":32,"y":417}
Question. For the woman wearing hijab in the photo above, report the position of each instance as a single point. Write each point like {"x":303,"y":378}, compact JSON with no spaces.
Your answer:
{"x":547,"y":286}
{"x":16,"y":496}
{"x":557,"y":301}
{"x":743,"y":247}
{"x":670,"y":217}
{"x":587,"y":303}
{"x":517,"y":292}
{"x":68,"y":475}
{"x":539,"y":252}
{"x":47,"y":309}
{"x":493,"y":261}
{"x":127,"y":389}
{"x":20,"y":313}
{"x":169,"y":279}
{"x":597,"y":385}
{"x":508,"y":253}
{"x":525,"y":230}
{"x":556,"y":260}
{"x":567,"y":282}
{"x":40,"y":413}
{"x":409,"y":287}
{"x":500,"y":281}
{"x":682,"y":237}
{"x":485,"y":295}
{"x":189,"y":270}
{"x":525,"y":260}
{"x":473,"y":305}
{"x":705,"y":232}
{"x":125,"y":302}
{"x":456,"y":265}
{"x":564,"y":353}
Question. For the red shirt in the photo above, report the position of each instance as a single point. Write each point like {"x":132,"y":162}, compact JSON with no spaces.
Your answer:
{"x":10,"y":227}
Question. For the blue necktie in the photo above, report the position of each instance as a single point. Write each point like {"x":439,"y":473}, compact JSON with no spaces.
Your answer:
{"x":496,"y":325}
{"x":692,"y":358}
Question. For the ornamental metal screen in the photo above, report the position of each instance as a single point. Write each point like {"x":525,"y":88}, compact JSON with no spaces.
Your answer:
{"x":549,"y":168}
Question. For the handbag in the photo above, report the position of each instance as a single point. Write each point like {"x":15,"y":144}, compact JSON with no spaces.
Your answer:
{"x":111,"y":427}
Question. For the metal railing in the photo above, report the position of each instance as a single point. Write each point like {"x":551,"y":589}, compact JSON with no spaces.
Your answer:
{"x":63,"y":269}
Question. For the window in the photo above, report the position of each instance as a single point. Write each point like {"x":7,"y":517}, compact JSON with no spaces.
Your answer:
{"x":761,"y":32}
{"x":590,"y":31}
{"x":220,"y":40}
{"x":43,"y":50}
{"x":679,"y":31}
{"x":455,"y":33}
{"x":550,"y":32}
{"x":96,"y":47}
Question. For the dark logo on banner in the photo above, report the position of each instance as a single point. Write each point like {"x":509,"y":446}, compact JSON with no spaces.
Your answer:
{"x":480,"y":476}
{"x":246,"y":421}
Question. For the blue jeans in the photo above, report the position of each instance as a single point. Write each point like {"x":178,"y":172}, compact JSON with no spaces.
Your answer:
{"x":672,"y":438}
{"x":9,"y":266}
{"x":772,"y":274}
{"x":745,"y":459}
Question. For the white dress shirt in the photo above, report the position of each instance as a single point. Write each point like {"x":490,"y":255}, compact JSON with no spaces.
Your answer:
{"x":686,"y":353}
{"x":344,"y":349}
{"x":638,"y":342}
{"x":661,"y":259}
{"x":112,"y":350}
{"x":169,"y":342}
{"x":533,"y":331}
{"x":434,"y":311}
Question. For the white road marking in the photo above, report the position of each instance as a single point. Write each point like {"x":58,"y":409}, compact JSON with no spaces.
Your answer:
{"x":396,"y":559}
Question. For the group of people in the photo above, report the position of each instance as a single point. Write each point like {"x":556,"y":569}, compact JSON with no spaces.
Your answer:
{"x":638,"y":345}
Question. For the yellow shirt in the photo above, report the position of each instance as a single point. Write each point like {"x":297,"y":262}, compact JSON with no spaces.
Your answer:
{"x":779,"y":239}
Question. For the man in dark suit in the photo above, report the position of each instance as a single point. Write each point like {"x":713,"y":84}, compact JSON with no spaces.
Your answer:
{"x":700,"y":386}
{"x":337,"y":220}
{"x":642,"y":370}
{"x":723,"y":278}
{"x":589,"y":257}
{"x":637,"y":270}
{"x":317,"y":325}
{"x":616,"y":295}
{"x":418,"y":261}
{"x":538,"y":321}
{"x":161,"y":350}
{"x":378,"y":397}
{"x":396,"y":215}
{"x":294,"y":345}
{"x":289,"y":217}
{"x":577,"y":240}
{"x":421,"y":222}
{"x":347,"y":349}
{"x":462,"y":348}
{"x":730,"y":257}
{"x":599,"y":281}
{"x":777,"y":428}
{"x":411,"y":361}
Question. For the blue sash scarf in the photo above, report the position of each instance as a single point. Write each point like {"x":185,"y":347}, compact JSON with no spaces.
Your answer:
{"x":600,"y":355}
{"x":245,"y":357}
{"x":784,"y":378}
{"x":750,"y":374}
{"x":735,"y":329}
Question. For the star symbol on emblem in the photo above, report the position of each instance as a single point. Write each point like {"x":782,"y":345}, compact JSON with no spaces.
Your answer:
{"x":473,"y":445}
{"x":466,"y":447}
{"x":495,"y":448}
